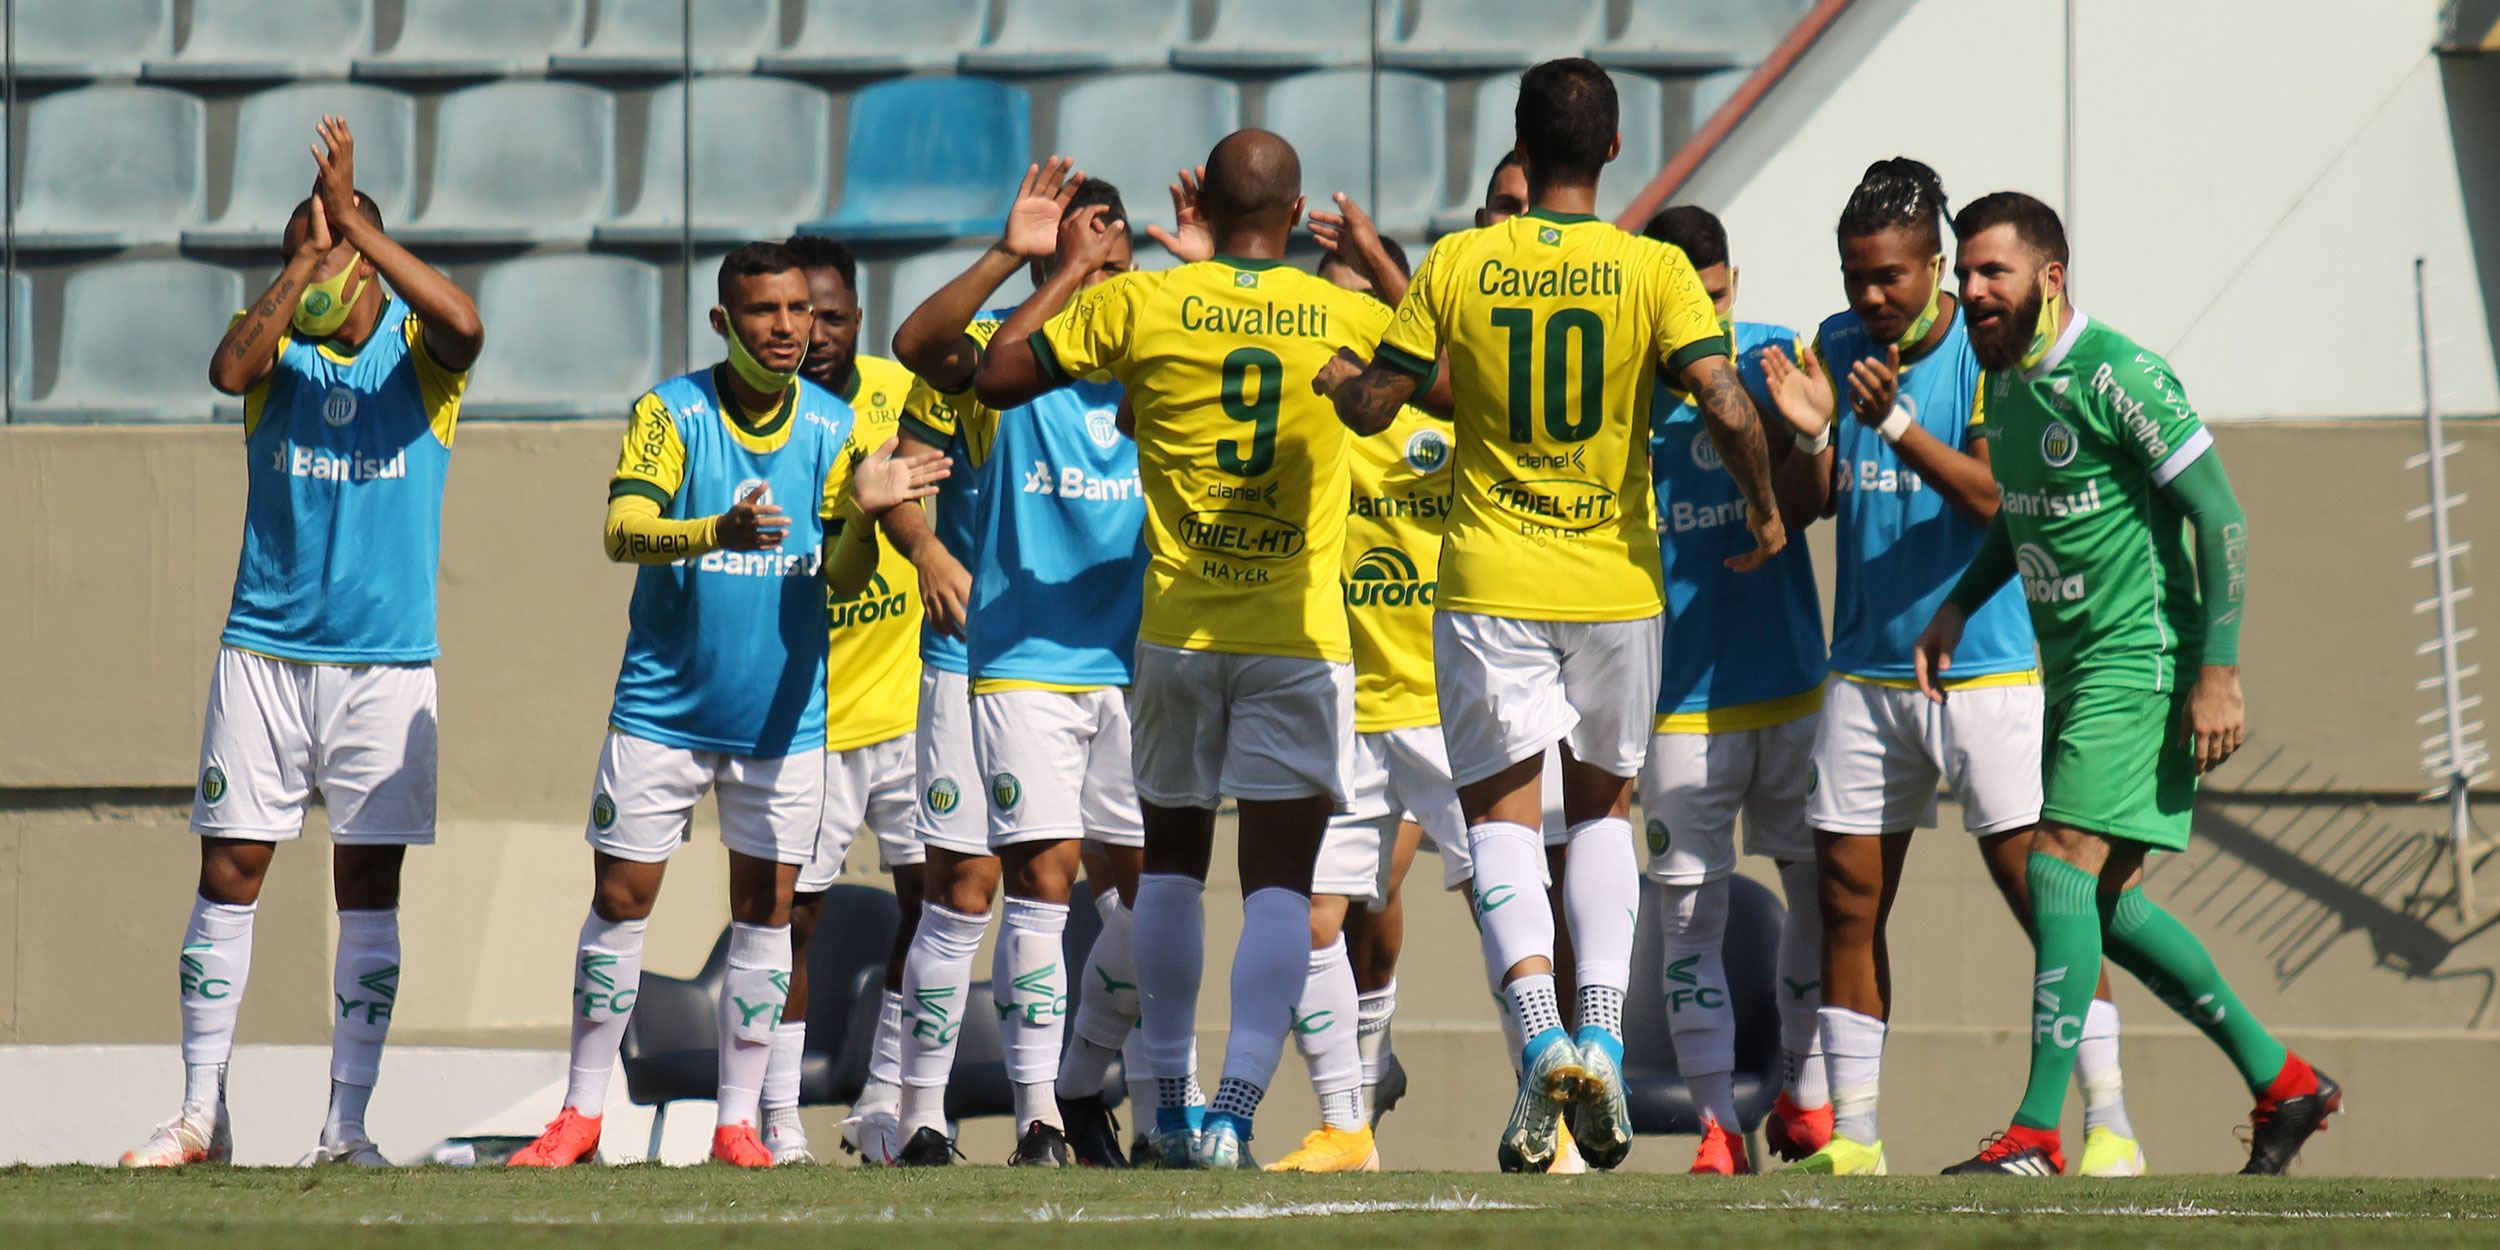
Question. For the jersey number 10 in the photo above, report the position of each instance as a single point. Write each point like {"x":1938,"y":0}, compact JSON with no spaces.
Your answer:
{"x":1560,"y":330}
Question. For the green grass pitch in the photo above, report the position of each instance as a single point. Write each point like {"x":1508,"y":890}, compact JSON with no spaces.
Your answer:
{"x":632,"y":1207}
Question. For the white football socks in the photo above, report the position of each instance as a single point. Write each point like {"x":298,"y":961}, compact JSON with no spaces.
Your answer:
{"x":607,"y":978}
{"x":2096,"y":1066}
{"x":883,"y":1090}
{"x":1326,"y":1029}
{"x":1106,"y":1006}
{"x":216,"y":963}
{"x":1602,"y":899}
{"x":781,"y":1075}
{"x":751,"y":995}
{"x":1800,"y":988}
{"x":1701,"y":1019}
{"x":1169,"y":943}
{"x":1270,"y":968}
{"x":1853,"y":1053}
{"x":364,"y":984}
{"x":1511,"y":910}
{"x":1373,"y":1011}
{"x":1029,"y":981}
{"x":1533,"y":1005}
{"x":937,"y":978}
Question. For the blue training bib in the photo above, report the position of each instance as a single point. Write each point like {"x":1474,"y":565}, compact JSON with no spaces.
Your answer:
{"x":1059,"y":539}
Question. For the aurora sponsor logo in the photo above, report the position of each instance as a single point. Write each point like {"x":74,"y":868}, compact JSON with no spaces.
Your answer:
{"x":2042,"y":583}
{"x":1557,"y":503}
{"x":1240,"y":535}
{"x":2050,"y":504}
{"x":1387,"y":577}
{"x":1427,"y":451}
{"x":879,"y":602}
{"x":2058,"y":444}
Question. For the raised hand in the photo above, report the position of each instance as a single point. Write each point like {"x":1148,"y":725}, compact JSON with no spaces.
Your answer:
{"x":1033,"y":221}
{"x":1770,"y":535}
{"x":1189,"y":239}
{"x":335,"y":186}
{"x":1335,"y":372}
{"x":751,"y":524}
{"x":317,"y":240}
{"x":884,"y":479}
{"x":1873,"y":387}
{"x":1349,"y":233}
{"x":1800,"y":390}
{"x":1088,"y":237}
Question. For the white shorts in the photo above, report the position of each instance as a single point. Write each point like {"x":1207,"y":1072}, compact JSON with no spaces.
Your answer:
{"x":952,"y":810}
{"x":1214,"y":723}
{"x":1695,"y":784}
{"x":1057,"y":767}
{"x":362,"y":734}
{"x":1398,"y":774}
{"x":1883,"y":749}
{"x":1510,"y":688}
{"x":866,"y":787}
{"x":770,"y":807}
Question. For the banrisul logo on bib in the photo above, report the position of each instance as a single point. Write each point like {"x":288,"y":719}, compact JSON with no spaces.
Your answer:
{"x":2058,"y":444}
{"x":2041,"y":581}
{"x":942,"y":795}
{"x":1387,"y":577}
{"x":1427,"y":451}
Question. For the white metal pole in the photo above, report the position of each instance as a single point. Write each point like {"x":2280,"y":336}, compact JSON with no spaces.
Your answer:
{"x":2460,"y":758}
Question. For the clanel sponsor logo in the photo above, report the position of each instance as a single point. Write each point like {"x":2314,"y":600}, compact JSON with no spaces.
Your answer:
{"x":1103,"y":426}
{"x":1075,"y":483}
{"x":1386,"y":577}
{"x":1557,"y":503}
{"x":879,"y":602}
{"x":1240,"y":535}
{"x":339,"y":406}
{"x":1705,"y":453}
{"x":296,"y":460}
{"x":1427,"y":451}
{"x":2041,"y":582}
{"x":2058,"y":444}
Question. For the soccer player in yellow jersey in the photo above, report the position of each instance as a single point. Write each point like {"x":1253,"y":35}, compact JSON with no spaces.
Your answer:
{"x":1547,"y":625}
{"x":872,"y":686}
{"x":1244,"y":685}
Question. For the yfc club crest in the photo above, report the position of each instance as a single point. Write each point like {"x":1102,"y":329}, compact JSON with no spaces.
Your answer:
{"x":1427,"y":451}
{"x":942,"y":796}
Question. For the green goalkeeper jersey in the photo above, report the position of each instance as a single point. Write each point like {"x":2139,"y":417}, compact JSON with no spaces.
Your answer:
{"x":2082,"y":444}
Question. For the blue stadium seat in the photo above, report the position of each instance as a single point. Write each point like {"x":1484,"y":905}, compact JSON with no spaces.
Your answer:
{"x":1460,"y":36}
{"x":879,"y":36}
{"x":931,"y":158}
{"x":101,"y":379}
{"x":1322,"y":114}
{"x":520,"y":162}
{"x":1641,"y":120}
{"x":273,"y":172}
{"x":477,"y":39}
{"x":915,"y":280}
{"x":1099,"y":128}
{"x":81,"y":39}
{"x":763,"y":156}
{"x":648,"y":37}
{"x":269,"y":40}
{"x":1267,"y":35}
{"x":703,"y":347}
{"x":1064,"y":36}
{"x":1698,"y":35}
{"x":112,"y":167}
{"x":574,"y":335}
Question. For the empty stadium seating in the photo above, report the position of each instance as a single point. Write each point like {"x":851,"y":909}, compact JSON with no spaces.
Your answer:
{"x":268,"y":40}
{"x":1641,"y":105}
{"x":762,"y":148}
{"x":648,"y":37}
{"x":477,"y":38}
{"x":1267,"y":35}
{"x":520,"y":162}
{"x":273,"y":172}
{"x":1697,"y":35}
{"x":1065,"y":36}
{"x":1322,"y":114}
{"x":78,"y":39}
{"x":1461,"y":36}
{"x":931,"y":159}
{"x":1100,"y":126}
{"x":568,"y":336}
{"x":18,"y":330}
{"x":135,"y":341}
{"x":112,"y":166}
{"x":916,"y":280}
{"x":879,"y":37}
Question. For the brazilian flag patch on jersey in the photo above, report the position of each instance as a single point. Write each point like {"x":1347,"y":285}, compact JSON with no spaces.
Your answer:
{"x":1549,"y":236}
{"x":1245,"y":279}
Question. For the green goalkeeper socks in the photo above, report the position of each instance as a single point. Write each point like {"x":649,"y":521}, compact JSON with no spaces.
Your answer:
{"x":2066,"y":968}
{"x":2152,"y":944}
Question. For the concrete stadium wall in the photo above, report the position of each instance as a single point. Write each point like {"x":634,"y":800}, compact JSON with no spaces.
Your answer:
{"x":2314,"y":877}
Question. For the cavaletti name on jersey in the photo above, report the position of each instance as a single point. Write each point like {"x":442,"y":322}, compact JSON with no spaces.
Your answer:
{"x":879,"y":602}
{"x":2044,"y":503}
{"x":1387,"y":577}
{"x":1309,"y":321}
{"x":321,"y":466}
{"x":757,"y":563}
{"x":1598,"y":278}
{"x":1075,"y":483}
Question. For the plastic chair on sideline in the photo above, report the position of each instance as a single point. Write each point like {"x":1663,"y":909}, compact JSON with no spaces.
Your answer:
{"x":763,"y":152}
{"x":1460,"y":36}
{"x":100,"y":379}
{"x":273,"y":173}
{"x":1098,"y":128}
{"x":477,"y":39}
{"x":575,"y":336}
{"x":69,"y":40}
{"x":1694,"y":36}
{"x":1065,"y":36}
{"x":915,"y":280}
{"x":1641,"y":106}
{"x":879,"y":37}
{"x":268,"y":41}
{"x":1652,"y":1081}
{"x":931,"y":159}
{"x":1260,"y":36}
{"x":497,"y":180}
{"x":1322,"y":115}
{"x":113,"y":167}
{"x":644,"y":37}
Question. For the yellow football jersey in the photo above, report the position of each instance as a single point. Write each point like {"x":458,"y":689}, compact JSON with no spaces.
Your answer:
{"x":872,"y":666}
{"x":1244,"y":465}
{"x":1556,"y":327}
{"x":1393,"y":527}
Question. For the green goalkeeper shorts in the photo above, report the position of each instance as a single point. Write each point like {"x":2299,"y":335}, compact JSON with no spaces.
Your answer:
{"x":2113,"y":762}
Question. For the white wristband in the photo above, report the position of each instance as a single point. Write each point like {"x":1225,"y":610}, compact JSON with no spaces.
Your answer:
{"x":1820,"y":442}
{"x":1895,"y":425}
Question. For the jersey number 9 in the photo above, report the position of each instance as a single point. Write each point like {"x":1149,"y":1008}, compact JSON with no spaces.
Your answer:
{"x":1261,"y":413}
{"x":1566,"y":325}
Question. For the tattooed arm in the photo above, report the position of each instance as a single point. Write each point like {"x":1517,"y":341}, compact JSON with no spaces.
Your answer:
{"x":1736,"y":430}
{"x":1367,"y":396}
{"x":250,"y":348}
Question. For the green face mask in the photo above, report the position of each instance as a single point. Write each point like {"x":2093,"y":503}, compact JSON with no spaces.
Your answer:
{"x":1926,"y":320}
{"x":769,"y":381}
{"x":324,"y":305}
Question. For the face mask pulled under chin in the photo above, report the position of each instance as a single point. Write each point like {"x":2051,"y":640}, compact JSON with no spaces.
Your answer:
{"x":324,"y":305}
{"x":755,"y":372}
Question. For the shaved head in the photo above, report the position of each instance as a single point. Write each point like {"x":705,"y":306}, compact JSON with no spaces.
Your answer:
{"x":1254,"y":179}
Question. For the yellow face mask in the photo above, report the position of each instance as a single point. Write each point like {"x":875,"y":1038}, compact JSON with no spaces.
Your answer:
{"x":1926,"y":320}
{"x":2044,"y":335}
{"x":757,"y":374}
{"x":324,"y":305}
